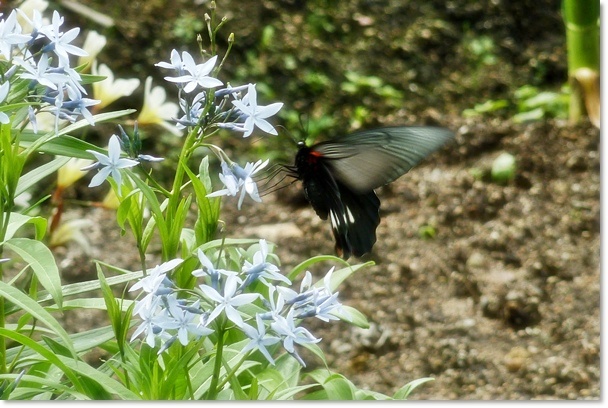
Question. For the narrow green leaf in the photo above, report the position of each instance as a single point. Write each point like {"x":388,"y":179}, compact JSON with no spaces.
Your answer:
{"x":30,"y":306}
{"x":354,"y":317}
{"x":44,"y":352}
{"x":41,"y":260}
{"x":17,"y":220}
{"x":107,"y":383}
{"x":338,"y":388}
{"x":34,"y":176}
{"x":43,"y":383}
{"x":315,"y":259}
{"x":403,"y":392}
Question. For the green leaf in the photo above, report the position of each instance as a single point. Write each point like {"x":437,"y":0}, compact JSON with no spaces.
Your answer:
{"x":22,"y":393}
{"x":44,"y":352}
{"x":31,"y":178}
{"x":155,"y":208}
{"x":354,"y":317}
{"x":41,"y":260}
{"x":337,"y":277}
{"x":108,"y":384}
{"x":208,"y":208}
{"x":338,"y":388}
{"x":17,"y":220}
{"x":30,"y":306}
{"x":315,"y":259}
{"x":66,"y":146}
{"x":361,"y":395}
{"x":403,"y":392}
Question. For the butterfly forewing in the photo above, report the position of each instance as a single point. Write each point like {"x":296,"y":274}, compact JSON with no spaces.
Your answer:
{"x":369,"y":159}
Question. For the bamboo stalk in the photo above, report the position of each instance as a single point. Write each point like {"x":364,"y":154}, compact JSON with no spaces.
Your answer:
{"x":583,"y":44}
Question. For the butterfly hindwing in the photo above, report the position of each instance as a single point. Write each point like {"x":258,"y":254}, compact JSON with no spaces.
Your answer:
{"x":354,"y":222}
{"x":354,"y":217}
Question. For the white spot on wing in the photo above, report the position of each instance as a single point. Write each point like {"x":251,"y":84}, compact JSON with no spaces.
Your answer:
{"x":350,"y":216}
{"x":334,"y":220}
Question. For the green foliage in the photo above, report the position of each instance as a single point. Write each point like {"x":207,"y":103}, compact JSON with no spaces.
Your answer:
{"x":528,"y":104}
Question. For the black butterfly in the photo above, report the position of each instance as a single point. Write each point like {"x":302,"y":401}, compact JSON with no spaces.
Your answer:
{"x":339,"y":177}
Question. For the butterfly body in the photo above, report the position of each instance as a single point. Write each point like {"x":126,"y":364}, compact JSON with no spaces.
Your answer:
{"x":339,"y":177}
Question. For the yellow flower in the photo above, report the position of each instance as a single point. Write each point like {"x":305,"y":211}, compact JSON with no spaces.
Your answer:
{"x":27,"y":8}
{"x":93,"y":44}
{"x":72,"y":231}
{"x":70,"y":173}
{"x":156,"y":109}
{"x":110,"y":201}
{"x":109,"y":90}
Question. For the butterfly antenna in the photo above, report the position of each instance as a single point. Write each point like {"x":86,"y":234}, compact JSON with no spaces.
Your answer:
{"x":274,"y":187}
{"x":291,"y":135}
{"x":287,"y":171}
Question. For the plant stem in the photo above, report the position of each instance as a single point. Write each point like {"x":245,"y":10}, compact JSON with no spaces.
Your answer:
{"x":583,"y":44}
{"x":219,"y":348}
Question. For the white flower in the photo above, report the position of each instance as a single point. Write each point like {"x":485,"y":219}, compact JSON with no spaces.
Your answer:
{"x":259,"y":339}
{"x":229,"y":301}
{"x":256,"y":115}
{"x":10,"y":34}
{"x":4,"y":88}
{"x":110,"y":164}
{"x":60,"y":42}
{"x":198,"y":73}
{"x":235,"y":177}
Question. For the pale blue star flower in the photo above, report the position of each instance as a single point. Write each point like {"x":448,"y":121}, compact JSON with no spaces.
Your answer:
{"x":259,"y":339}
{"x":286,"y":327}
{"x":192,"y":111}
{"x":60,"y":42}
{"x":4,"y":88}
{"x":229,"y":301}
{"x":36,"y":24}
{"x":230,"y":181}
{"x":10,"y":35}
{"x":176,"y":63}
{"x":305,"y":294}
{"x":110,"y":164}
{"x":256,"y":115}
{"x":274,"y":303}
{"x":262,"y":270}
{"x":187,"y":322}
{"x":78,"y":105}
{"x":209,"y":270}
{"x":150,"y":323}
{"x":198,"y":74}
{"x":152,"y":283}
{"x":40,"y":73}
{"x":230,"y":90}
{"x":235,"y":177}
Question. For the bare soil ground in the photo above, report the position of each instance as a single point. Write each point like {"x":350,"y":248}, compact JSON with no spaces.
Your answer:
{"x":504,"y":301}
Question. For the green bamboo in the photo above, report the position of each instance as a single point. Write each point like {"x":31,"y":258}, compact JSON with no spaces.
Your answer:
{"x":583,"y":44}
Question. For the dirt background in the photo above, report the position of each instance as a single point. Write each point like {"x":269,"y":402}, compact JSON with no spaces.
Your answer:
{"x":503,"y":301}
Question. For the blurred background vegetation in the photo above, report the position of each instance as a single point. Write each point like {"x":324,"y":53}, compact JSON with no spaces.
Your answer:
{"x":339,"y":66}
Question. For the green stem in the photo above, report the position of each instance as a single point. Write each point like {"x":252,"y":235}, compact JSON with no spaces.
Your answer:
{"x":217,"y":367}
{"x":583,"y":44}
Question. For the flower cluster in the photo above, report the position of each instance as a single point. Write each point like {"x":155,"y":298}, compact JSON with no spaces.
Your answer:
{"x":204,"y":107}
{"x":41,"y":57}
{"x":168,"y":315}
